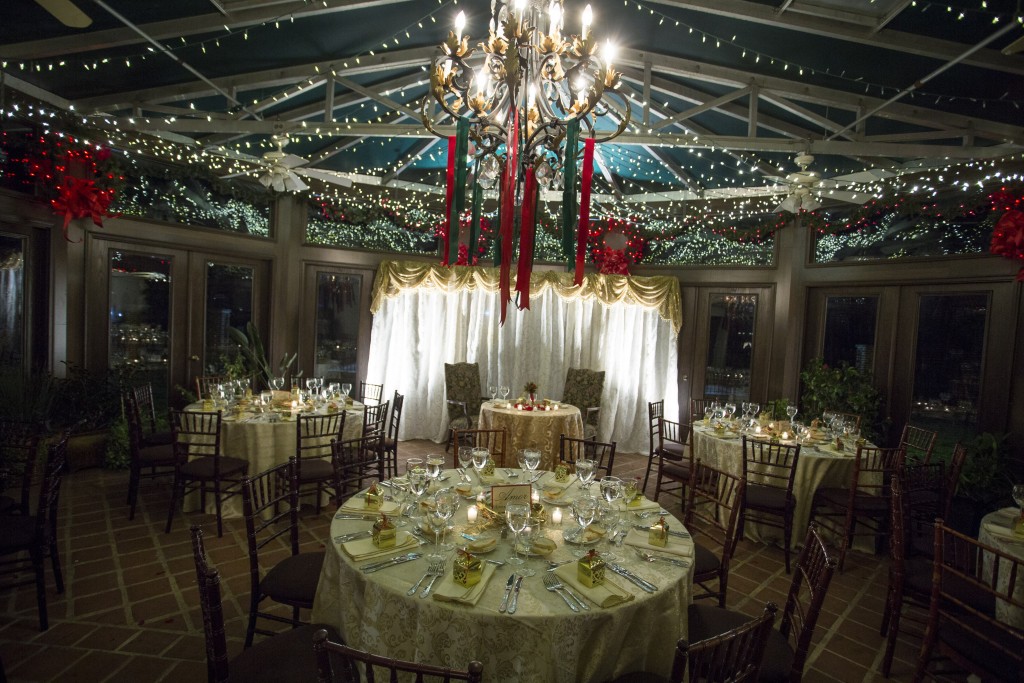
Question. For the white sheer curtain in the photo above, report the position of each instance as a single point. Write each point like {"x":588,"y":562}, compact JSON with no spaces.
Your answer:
{"x":416,"y":332}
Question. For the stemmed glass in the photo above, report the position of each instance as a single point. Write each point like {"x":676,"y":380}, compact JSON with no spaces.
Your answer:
{"x":465,"y":454}
{"x":346,"y":389}
{"x":435,"y":463}
{"x":266,"y":400}
{"x":584,"y":509}
{"x":446,"y":502}
{"x":503,"y":390}
{"x":730,"y":410}
{"x":480,"y":457}
{"x":277,"y":383}
{"x":585,"y":470}
{"x":518,"y":516}
{"x":416,"y":472}
{"x":1018,"y":496}
{"x":755,"y":408}
{"x":531,"y":458}
{"x":791,"y":412}
{"x":611,"y":488}
{"x":610,"y":518}
{"x":493,"y":391}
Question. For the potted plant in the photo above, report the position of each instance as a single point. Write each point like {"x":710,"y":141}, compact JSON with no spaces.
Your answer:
{"x":257,"y":365}
{"x":985,"y":481}
{"x":843,"y":389}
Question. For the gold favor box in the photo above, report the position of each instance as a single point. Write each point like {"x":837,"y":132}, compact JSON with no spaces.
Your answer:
{"x":590,"y":569}
{"x":658,"y":534}
{"x":374,"y":498}
{"x":488,"y":470}
{"x":384,"y":533}
{"x":467,"y":570}
{"x":562,"y":473}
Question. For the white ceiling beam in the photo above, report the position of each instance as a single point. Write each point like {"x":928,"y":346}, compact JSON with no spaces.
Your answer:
{"x":699,"y":109}
{"x":412,"y":155}
{"x":890,"y":15}
{"x":214,"y":22}
{"x":885,"y":39}
{"x":817,"y":119}
{"x":376,"y":96}
{"x":681,"y":174}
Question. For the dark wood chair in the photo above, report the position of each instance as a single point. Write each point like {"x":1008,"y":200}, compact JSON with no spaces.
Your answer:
{"x":787,"y":648}
{"x":864,"y":503}
{"x":675,"y":460}
{"x":712,"y":514}
{"x":144,"y":406}
{"x":583,"y":389}
{"x":391,"y":439}
{"x":956,"y":466}
{"x":918,"y":443}
{"x":698,"y":406}
{"x":31,"y":538}
{"x":145,"y":461}
{"x":206,"y":385}
{"x":494,"y":440}
{"x":769,"y":470}
{"x":285,"y":657}
{"x":375,"y":419}
{"x":19,"y":442}
{"x":463,"y":397}
{"x":338,"y":662}
{"x":909,"y":577}
{"x":272,"y":519}
{"x":356,"y":461}
{"x":850,"y":418}
{"x":970,"y":581}
{"x":313,"y":436}
{"x":603,"y":453}
{"x":655,"y":411}
{"x":370,"y":394}
{"x":199,"y":464}
{"x":924,"y":485}
{"x":735,"y":656}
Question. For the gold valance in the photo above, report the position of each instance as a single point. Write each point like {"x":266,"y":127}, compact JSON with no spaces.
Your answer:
{"x":660,"y":292}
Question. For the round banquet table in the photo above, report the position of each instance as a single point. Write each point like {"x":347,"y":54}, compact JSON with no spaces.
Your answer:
{"x":265,"y":441}
{"x":541,"y":429}
{"x":996,"y":530}
{"x":819,"y":466}
{"x":543,"y":641}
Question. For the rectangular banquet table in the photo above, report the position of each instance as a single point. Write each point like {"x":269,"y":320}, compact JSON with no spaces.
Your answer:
{"x":265,"y":441}
{"x":819,"y":466}
{"x":543,"y":642}
{"x":540,"y":429}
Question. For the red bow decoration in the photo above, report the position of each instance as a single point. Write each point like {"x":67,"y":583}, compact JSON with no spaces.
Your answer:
{"x":612,"y":261}
{"x":79,"y":198}
{"x":1008,"y":238}
{"x":463,"y":259}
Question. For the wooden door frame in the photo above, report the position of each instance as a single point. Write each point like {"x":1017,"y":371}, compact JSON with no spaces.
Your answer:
{"x":307,"y":324}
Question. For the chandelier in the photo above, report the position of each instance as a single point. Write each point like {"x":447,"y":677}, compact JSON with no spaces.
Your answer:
{"x":526,"y":97}
{"x":550,"y":80}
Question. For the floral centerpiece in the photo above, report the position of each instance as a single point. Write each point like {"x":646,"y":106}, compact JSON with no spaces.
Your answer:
{"x":531,"y":391}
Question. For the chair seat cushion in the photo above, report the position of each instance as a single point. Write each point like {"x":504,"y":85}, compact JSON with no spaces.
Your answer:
{"x":287,"y":656}
{"x":675,"y":470}
{"x":155,"y":456}
{"x":16,"y":532}
{"x":864,"y":503}
{"x":315,"y":469}
{"x":294,"y":579}
{"x":707,"y":621}
{"x":761,"y":497}
{"x":590,"y":432}
{"x":158,"y":439}
{"x":673,"y":450}
{"x":202,"y":468}
{"x":704,"y":561}
{"x":462,"y":423}
{"x":390,"y":444}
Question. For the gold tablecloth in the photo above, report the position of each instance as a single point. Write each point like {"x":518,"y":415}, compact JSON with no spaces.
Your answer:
{"x":543,"y":642}
{"x":264,"y":444}
{"x":540,"y":429}
{"x":995,"y":531}
{"x":817,"y":467}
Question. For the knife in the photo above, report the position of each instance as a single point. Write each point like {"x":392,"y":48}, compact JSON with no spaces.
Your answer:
{"x":515,"y":596}
{"x":390,"y":563}
{"x":508,"y":591}
{"x":353,"y":535}
{"x":625,"y":573}
{"x":677,"y":534}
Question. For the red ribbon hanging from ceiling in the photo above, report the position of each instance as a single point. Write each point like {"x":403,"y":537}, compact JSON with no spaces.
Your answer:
{"x":449,"y":198}
{"x":583,"y":230}
{"x":527,"y":230}
{"x":508,"y":196}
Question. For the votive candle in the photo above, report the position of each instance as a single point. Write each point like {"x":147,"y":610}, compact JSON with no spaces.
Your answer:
{"x":556,"y":516}
{"x":471,"y":512}
{"x":535,"y":497}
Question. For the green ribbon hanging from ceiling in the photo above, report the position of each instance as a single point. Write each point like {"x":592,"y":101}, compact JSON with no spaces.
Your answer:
{"x":570,"y":208}
{"x":459,"y":197}
{"x":474,"y":222}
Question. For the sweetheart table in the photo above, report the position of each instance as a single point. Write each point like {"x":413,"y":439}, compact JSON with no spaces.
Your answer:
{"x":540,"y":429}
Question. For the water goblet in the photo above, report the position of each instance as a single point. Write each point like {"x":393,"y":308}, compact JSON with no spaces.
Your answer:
{"x":435,"y":463}
{"x":583,"y":509}
{"x":730,"y":410}
{"x":518,"y":516}
{"x":611,"y":488}
{"x":791,"y":412}
{"x":277,"y":383}
{"x":585,"y":470}
{"x":610,"y":517}
{"x":266,"y":400}
{"x":465,"y":454}
{"x":480,"y":457}
{"x":532,"y":458}
{"x":503,"y":390}
{"x":346,"y":389}
{"x":521,"y":458}
{"x":755,"y":408}
{"x":1018,"y":497}
{"x":310,"y":384}
{"x":446,"y":502}
{"x":416,"y":472}
{"x":492,"y":389}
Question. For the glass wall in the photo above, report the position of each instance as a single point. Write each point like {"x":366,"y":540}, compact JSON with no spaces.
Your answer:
{"x":850,"y":323}
{"x":948,"y":365}
{"x":337,"y":326}
{"x":140,"y":322}
{"x":12,"y":302}
{"x":730,"y":346}
{"x":228,"y":304}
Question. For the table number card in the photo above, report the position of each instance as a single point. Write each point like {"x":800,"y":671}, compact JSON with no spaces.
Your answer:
{"x":509,"y":494}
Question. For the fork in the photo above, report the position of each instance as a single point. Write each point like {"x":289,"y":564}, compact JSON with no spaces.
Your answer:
{"x":647,"y":557}
{"x":572,"y":594}
{"x":416,"y":586}
{"x":435,"y":569}
{"x":553,"y":584}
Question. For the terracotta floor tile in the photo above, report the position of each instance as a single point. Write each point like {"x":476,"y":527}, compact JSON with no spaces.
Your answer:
{"x":149,"y":642}
{"x":98,"y":602}
{"x":154,"y":609}
{"x":66,"y":633}
{"x":94,"y":667}
{"x":47,"y":664}
{"x":187,"y":671}
{"x":107,"y":638}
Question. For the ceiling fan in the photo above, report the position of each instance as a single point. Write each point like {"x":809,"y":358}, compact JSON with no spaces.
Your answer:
{"x":807,"y":188}
{"x":66,"y":12}
{"x":284,"y":172}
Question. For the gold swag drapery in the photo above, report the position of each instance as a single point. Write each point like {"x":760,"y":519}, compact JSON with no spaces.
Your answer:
{"x":660,"y":292}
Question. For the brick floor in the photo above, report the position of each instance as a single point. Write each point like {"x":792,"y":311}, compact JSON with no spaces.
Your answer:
{"x":130,"y":611}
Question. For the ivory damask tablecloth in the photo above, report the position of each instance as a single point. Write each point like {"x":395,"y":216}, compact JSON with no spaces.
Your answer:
{"x":543,"y":642}
{"x":264,"y":444}
{"x":540,"y":429}
{"x":816,"y":468}
{"x":996,"y":531}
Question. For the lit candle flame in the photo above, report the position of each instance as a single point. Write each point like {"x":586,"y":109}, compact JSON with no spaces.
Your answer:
{"x":460,"y":23}
{"x":588,"y":18}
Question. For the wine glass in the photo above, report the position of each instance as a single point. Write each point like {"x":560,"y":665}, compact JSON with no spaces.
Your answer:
{"x":584,"y":509}
{"x":346,"y":389}
{"x":277,"y":383}
{"x":416,"y":472}
{"x":610,"y":516}
{"x":446,"y":502}
{"x":791,"y":412}
{"x":585,"y":470}
{"x":730,"y":410}
{"x":480,"y":457}
{"x":1018,"y":497}
{"x":611,"y":488}
{"x":531,"y":457}
{"x":492,"y":389}
{"x":518,"y":516}
{"x":503,"y":390}
{"x":465,"y":454}
{"x":435,"y":463}
{"x":266,"y":400}
{"x":310,"y":384}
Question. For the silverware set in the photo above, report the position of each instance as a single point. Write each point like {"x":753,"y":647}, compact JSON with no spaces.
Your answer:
{"x":351,"y":537}
{"x":648,"y":557}
{"x":677,"y":534}
{"x":575,"y":602}
{"x":377,"y":566}
{"x":630,"y":576}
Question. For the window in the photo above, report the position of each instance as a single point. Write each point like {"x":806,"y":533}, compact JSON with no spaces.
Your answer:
{"x":730,"y":346}
{"x":139,"y":300}
{"x":850,"y":323}
{"x":337,"y":326}
{"x":228,"y":304}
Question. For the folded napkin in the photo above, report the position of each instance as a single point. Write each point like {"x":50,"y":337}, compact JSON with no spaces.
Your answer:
{"x":608,"y":594}
{"x":645,"y":504}
{"x":364,"y":549}
{"x":676,"y":546}
{"x":357,"y":505}
{"x":449,"y":591}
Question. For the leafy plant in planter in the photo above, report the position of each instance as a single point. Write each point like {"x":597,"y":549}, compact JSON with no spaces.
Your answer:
{"x":844,"y":389}
{"x":256,"y":364}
